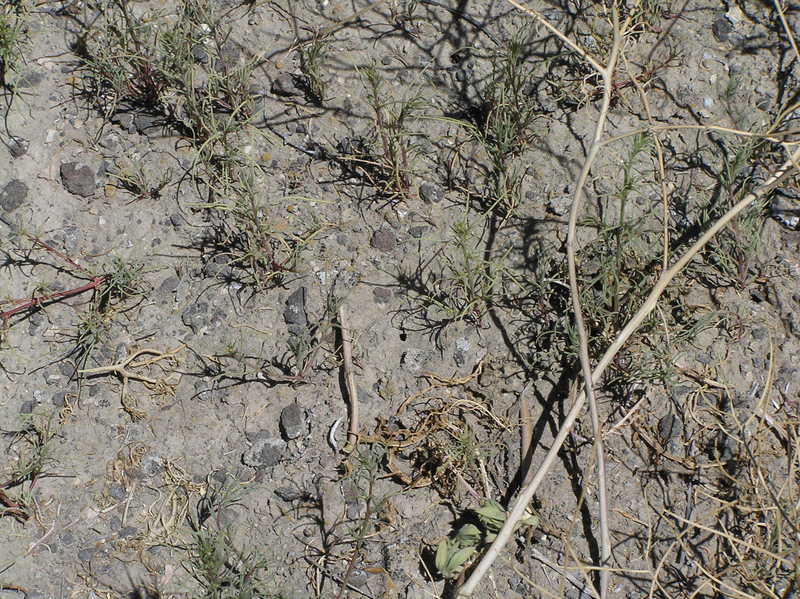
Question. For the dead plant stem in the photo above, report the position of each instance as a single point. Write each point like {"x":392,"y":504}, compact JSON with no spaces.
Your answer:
{"x":352,"y":392}
{"x":607,"y":74}
{"x":635,"y":322}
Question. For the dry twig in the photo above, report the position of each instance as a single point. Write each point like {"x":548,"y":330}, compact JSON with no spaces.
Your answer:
{"x":352,"y":392}
{"x":647,"y":307}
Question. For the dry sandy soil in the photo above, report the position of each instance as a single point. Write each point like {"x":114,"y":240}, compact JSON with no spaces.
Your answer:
{"x":195,"y":193}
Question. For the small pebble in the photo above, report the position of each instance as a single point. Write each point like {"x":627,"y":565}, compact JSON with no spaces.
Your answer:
{"x":13,"y":195}
{"x":78,"y":179}
{"x":18,"y":146}
{"x":293,"y":421}
{"x":431,"y":193}
{"x":722,"y":28}
{"x":382,"y":295}
{"x":384,"y":240}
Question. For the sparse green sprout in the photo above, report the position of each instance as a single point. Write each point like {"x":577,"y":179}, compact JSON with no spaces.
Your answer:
{"x":135,"y":180}
{"x":469,"y":535}
{"x":313,"y":55}
{"x":452,"y":558}
{"x":456,"y":553}
{"x":468,"y":281}
{"x":12,"y":38}
{"x":390,"y":168}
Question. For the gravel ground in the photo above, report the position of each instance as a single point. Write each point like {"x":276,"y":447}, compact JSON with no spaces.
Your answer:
{"x":191,"y":194}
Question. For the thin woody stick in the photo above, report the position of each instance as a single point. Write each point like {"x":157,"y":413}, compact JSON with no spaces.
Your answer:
{"x":352,"y":393}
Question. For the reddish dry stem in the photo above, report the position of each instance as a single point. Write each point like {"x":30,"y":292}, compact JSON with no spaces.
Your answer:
{"x":27,"y":304}
{"x":55,"y":252}
{"x":12,"y":508}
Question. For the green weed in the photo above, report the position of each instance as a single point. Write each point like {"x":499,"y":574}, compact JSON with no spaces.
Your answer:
{"x":729,"y":257}
{"x":501,"y":120}
{"x":459,"y":282}
{"x":313,"y":55}
{"x":222,"y":570}
{"x":13,"y":36}
{"x":29,"y":455}
{"x":389,"y":161}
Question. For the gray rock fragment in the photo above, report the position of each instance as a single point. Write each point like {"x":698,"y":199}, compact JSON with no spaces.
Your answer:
{"x":384,"y":240}
{"x":18,"y":146}
{"x":294,"y":314}
{"x":78,"y":179}
{"x":293,"y":421}
{"x":13,"y":195}
{"x":722,"y":28}
{"x":264,"y":452}
{"x":431,"y":193}
{"x":785,"y":208}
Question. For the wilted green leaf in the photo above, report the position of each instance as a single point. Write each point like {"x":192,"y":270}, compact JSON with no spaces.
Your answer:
{"x":443,"y":552}
{"x":529,"y":519}
{"x":451,"y":563}
{"x":469,"y":535}
{"x":492,"y":515}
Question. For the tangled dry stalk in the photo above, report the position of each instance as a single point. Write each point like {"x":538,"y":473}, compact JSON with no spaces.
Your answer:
{"x":592,"y":376}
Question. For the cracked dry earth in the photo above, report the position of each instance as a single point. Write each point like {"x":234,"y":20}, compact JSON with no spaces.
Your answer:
{"x":187,"y":435}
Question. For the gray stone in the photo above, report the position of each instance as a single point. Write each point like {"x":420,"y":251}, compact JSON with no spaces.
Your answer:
{"x":431,"y":193}
{"x":87,"y":554}
{"x":18,"y":146}
{"x":78,"y":179}
{"x":117,"y":491}
{"x":169,"y":285}
{"x":199,"y":54}
{"x":115,"y":523}
{"x":785,"y":209}
{"x":294,"y":314}
{"x":559,"y":205}
{"x":722,"y":28}
{"x":382,"y":295}
{"x":59,"y":399}
{"x":418,"y":231}
{"x":264,"y":453}
{"x":124,"y":120}
{"x":293,"y":422}
{"x":289,"y":494}
{"x":384,"y":240}
{"x":195,"y":316}
{"x":284,"y":85}
{"x":148,"y":124}
{"x":13,"y":195}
